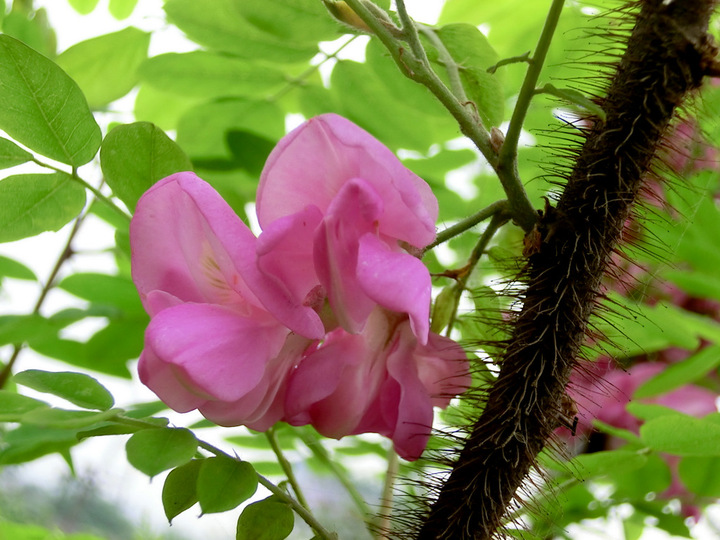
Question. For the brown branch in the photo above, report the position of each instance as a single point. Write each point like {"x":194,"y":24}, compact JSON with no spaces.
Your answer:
{"x":667,"y":55}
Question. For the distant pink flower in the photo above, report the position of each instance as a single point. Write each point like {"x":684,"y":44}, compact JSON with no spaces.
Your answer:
{"x":371,"y":208}
{"x":211,"y":344}
{"x":381,"y":381}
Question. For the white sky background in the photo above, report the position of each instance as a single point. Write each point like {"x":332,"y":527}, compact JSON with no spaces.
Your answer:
{"x":104,"y":458}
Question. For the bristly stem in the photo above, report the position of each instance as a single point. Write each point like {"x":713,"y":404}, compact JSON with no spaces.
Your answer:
{"x":418,"y":69}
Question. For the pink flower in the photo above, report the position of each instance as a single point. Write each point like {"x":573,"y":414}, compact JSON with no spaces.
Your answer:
{"x":211,"y":344}
{"x":323,"y":319}
{"x":381,"y":381}
{"x":370,"y":208}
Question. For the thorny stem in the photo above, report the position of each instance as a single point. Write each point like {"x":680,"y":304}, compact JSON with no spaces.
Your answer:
{"x":468,"y":223}
{"x":98,"y":195}
{"x":498,"y":220}
{"x":295,"y":81}
{"x":470,"y":125}
{"x":299,"y":509}
{"x":65,"y":254}
{"x":507,"y":158}
{"x":313,"y":443}
{"x":286,"y":466}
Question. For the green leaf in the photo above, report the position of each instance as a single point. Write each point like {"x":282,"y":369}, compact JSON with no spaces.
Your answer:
{"x":29,"y":442}
{"x":587,"y":466}
{"x":268,"y":519}
{"x":154,"y":156}
{"x":695,"y":283}
{"x":203,"y":130}
{"x":66,"y":419}
{"x":163,"y":109}
{"x":78,"y":388}
{"x":208,"y":75}
{"x":35,"y":203}
{"x":104,"y":289}
{"x":11,"y":268}
{"x":574,"y":97}
{"x":155,"y":450}
{"x":42,"y":108}
{"x":179,"y":490}
{"x":682,"y":435}
{"x":224,"y":483}
{"x":32,"y":28}
{"x":83,"y":6}
{"x":674,"y":376}
{"x":14,"y":405}
{"x":649,"y":411}
{"x":122,"y":9}
{"x":304,"y":21}
{"x":474,"y":55}
{"x":443,"y":308}
{"x":225,"y":28}
{"x":701,"y":475}
{"x":11,"y":154}
{"x":20,"y":328}
{"x":105,"y":67}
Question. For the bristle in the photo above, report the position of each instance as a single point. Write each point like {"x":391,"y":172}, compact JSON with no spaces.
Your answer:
{"x":667,"y":54}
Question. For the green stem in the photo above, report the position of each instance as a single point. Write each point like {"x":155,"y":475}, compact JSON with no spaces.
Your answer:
{"x":295,"y":81}
{"x":512,"y":60}
{"x":299,"y":509}
{"x":386,"y":502}
{"x":507,"y":158}
{"x":448,"y":61}
{"x":65,"y":254}
{"x":468,"y":223}
{"x":470,"y":125}
{"x":286,"y":466}
{"x":98,"y":195}
{"x":410,"y":33}
{"x":498,"y":220}
{"x":313,"y":443}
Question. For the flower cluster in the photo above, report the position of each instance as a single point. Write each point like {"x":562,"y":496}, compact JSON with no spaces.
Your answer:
{"x":323,"y":318}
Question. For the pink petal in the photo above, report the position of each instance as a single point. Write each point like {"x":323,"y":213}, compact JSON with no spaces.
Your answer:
{"x":214,"y":352}
{"x":312,"y":163}
{"x":331,"y":387}
{"x":397,"y":281}
{"x":352,"y":214}
{"x":186,"y":241}
{"x":285,"y":260}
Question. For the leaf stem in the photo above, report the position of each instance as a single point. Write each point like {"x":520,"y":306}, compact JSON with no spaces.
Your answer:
{"x":298,"y":508}
{"x":471,"y":126}
{"x":65,"y":254}
{"x":448,"y":61}
{"x":286,"y":466}
{"x":498,"y":220}
{"x":313,"y":443}
{"x":98,"y":195}
{"x":469,"y":222}
{"x":507,"y":157}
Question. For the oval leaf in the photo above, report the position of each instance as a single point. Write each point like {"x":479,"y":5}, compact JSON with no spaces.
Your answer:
{"x":676,"y":375}
{"x":106,"y":67}
{"x":42,"y":108}
{"x":179,"y":490}
{"x":701,"y":475}
{"x":154,"y":156}
{"x":78,"y":388}
{"x":13,"y":269}
{"x":35,"y":203}
{"x":606,"y":462}
{"x":224,"y":483}
{"x":65,"y":419}
{"x":155,"y":450}
{"x":682,"y":435}
{"x":268,"y":519}
{"x":207,"y":75}
{"x":14,"y":405}
{"x":104,"y":289}
{"x":11,"y":154}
